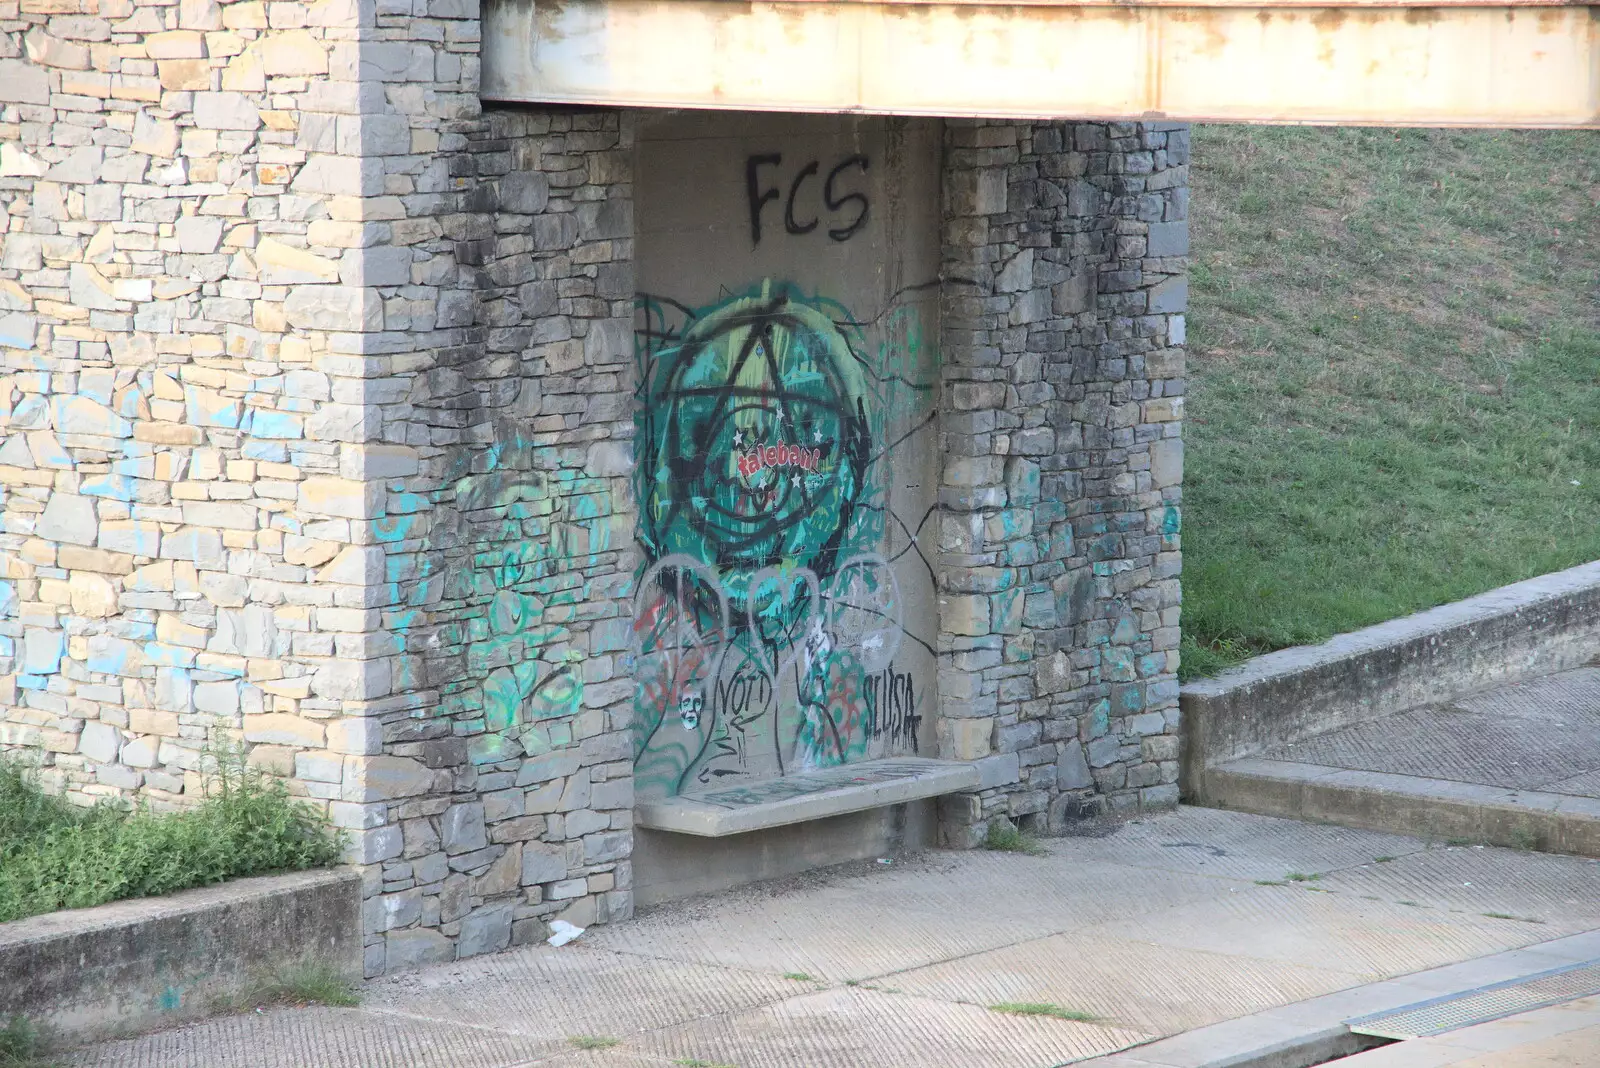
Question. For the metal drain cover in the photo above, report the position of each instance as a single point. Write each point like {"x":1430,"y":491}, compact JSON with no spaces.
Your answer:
{"x":1482,"y":1004}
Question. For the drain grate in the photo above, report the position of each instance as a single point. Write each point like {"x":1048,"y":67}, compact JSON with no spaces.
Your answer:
{"x":1482,"y":1004}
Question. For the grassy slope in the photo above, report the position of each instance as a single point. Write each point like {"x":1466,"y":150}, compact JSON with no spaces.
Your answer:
{"x":1394,"y":375}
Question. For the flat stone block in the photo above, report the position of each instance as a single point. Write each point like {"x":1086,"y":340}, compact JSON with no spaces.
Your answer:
{"x":69,"y":517}
{"x":810,"y":796}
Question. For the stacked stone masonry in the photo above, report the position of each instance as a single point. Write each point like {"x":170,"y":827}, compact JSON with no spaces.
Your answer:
{"x":223,"y":253}
{"x":1063,"y":394}
{"x":315,"y":420}
{"x":257,"y":321}
{"x":504,"y":793}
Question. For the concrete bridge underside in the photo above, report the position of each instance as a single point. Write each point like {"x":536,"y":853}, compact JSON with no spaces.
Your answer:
{"x":1271,"y":61}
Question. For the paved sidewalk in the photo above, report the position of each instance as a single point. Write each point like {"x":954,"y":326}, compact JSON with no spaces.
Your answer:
{"x":1162,"y":926}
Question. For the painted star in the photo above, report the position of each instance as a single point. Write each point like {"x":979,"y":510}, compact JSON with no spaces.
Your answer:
{"x":795,"y":478}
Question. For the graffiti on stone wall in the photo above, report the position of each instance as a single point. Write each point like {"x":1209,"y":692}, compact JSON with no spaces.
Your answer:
{"x":502,"y":552}
{"x":769,"y":621}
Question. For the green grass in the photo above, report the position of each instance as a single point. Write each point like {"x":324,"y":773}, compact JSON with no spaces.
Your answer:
{"x":23,"y":1046}
{"x":1004,"y":836}
{"x":1043,"y":1008}
{"x":1523,"y":838}
{"x":59,"y":856}
{"x":1509,"y":916}
{"x":310,"y":983}
{"x":691,"y":1062}
{"x":800,"y":977}
{"x":1302,"y":877}
{"x":593,"y":1041}
{"x":1394,"y":375}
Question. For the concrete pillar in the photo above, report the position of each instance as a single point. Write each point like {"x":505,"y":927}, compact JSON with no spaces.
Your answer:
{"x":1062,"y":326}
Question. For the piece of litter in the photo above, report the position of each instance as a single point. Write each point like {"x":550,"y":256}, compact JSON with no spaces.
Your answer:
{"x":885,"y":860}
{"x":562,"y":932}
{"x":1575,"y":482}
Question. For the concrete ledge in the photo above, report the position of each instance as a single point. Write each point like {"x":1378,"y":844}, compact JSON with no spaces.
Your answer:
{"x":1543,"y":625}
{"x":1405,"y":804}
{"x":150,"y":962}
{"x":813,"y":795}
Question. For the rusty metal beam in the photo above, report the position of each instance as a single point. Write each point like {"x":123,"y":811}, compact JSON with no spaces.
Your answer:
{"x":1450,"y":63}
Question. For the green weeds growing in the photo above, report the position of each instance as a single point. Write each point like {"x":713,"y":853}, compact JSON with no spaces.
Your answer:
{"x":58,"y":856}
{"x":1004,"y":836}
{"x":1043,"y":1008}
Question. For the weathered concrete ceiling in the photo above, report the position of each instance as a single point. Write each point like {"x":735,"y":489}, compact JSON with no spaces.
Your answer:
{"x":1448,"y":63}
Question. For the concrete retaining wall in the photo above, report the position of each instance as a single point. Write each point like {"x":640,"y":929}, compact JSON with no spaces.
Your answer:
{"x":1543,"y":625}
{"x":134,"y":965}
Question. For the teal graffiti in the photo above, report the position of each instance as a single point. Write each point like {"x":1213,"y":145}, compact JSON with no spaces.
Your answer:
{"x":753,"y":436}
{"x":764,"y":606}
{"x":501,"y":551}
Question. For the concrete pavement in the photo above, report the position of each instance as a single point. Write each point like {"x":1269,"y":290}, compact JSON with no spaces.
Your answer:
{"x":1159,"y":927}
{"x":1516,"y":765}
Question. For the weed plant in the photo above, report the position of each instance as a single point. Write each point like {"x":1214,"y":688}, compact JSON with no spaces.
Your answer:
{"x":22,"y":1046}
{"x":1043,"y":1008}
{"x":55,"y":855}
{"x":1005,"y":837}
{"x":310,"y":982}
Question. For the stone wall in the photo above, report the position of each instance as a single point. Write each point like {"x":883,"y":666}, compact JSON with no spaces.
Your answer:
{"x":1063,"y":377}
{"x":217,"y":250}
{"x":499,"y":792}
{"x":316,"y":404}
{"x":228,"y":255}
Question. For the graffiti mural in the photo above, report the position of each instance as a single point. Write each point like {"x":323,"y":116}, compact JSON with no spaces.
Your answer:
{"x":770,"y":627}
{"x":503,"y":551}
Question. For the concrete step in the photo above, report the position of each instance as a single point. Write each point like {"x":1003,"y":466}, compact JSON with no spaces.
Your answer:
{"x":1407,"y":804}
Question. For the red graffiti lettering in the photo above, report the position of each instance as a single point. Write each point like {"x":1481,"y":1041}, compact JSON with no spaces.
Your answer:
{"x":780,"y":455}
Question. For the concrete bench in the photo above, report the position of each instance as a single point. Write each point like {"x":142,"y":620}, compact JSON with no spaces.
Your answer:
{"x":812,"y":795}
